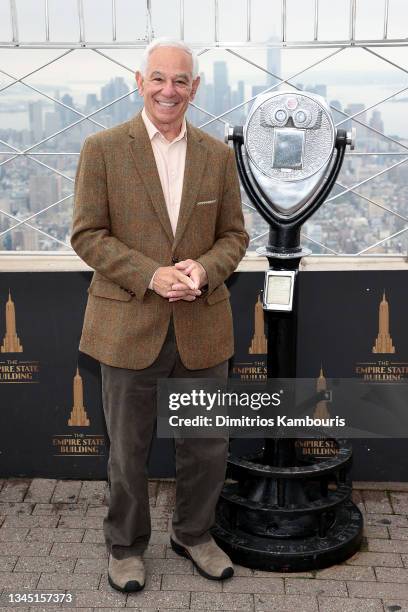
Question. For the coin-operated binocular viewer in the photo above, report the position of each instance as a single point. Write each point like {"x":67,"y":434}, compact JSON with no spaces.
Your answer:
{"x":285,"y":512}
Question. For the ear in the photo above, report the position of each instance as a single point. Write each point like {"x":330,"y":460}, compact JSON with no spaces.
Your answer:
{"x":194,"y":87}
{"x":139,"y":81}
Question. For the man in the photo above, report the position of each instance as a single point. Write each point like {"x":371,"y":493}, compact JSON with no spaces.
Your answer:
{"x":158,"y":217}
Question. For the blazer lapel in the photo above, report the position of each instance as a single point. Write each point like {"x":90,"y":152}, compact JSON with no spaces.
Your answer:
{"x":196,"y":158}
{"x":143,"y":156}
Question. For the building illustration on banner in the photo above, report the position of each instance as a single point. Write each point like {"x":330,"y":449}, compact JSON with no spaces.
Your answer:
{"x":321,"y":410}
{"x":78,"y":443}
{"x":259,"y":344}
{"x":379,"y":367}
{"x":78,"y":418}
{"x":253,"y":365}
{"x":12,"y":368}
{"x":383,"y":343}
{"x":11,"y":341}
{"x":319,"y":446}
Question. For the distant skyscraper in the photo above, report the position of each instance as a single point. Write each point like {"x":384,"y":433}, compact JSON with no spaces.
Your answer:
{"x":36,"y":120}
{"x":273,"y":63}
{"x":376,"y":121}
{"x":43,"y":190}
{"x":120,"y":111}
{"x":221,"y":88}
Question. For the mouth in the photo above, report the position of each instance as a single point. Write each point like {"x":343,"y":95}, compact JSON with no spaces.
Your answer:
{"x":166,"y":104}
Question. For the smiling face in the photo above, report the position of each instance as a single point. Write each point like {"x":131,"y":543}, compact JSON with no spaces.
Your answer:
{"x":167,"y":88}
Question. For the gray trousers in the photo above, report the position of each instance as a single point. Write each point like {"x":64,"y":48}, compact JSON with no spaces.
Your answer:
{"x":129,"y":403}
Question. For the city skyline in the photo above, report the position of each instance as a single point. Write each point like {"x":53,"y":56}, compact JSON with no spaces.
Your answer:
{"x":27,"y":188}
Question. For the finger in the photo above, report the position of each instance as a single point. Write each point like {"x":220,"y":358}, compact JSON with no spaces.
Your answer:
{"x":179,"y":287}
{"x":181,"y":294}
{"x":187,"y":298}
{"x":186,"y":280}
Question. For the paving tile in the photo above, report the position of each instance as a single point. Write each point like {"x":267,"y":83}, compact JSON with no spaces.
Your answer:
{"x":93,"y":491}
{"x":160,"y":599}
{"x":391,"y":574}
{"x":40,"y":490}
{"x":346,"y":572}
{"x":376,"y":558}
{"x":294,"y":586}
{"x":254,"y":585}
{"x":161,"y":537}
{"x":162,"y":512}
{"x":93,"y":536}
{"x":221,"y":601}
{"x":61,"y":509}
{"x":13,"y":534}
{"x":285,"y":603}
{"x":84,"y":551}
{"x":398,"y":533}
{"x":153,"y":488}
{"x":174,"y":582}
{"x":160,"y":524}
{"x":23,"y":520}
{"x":376,"y":531}
{"x":7,"y":508}
{"x":14,"y":490}
{"x":404,"y":560}
{"x":66,"y":491}
{"x":155,"y":551}
{"x":342,"y":604}
{"x":166,"y":494}
{"x":100,"y":511}
{"x":100,"y":599}
{"x":169,"y":566}
{"x":44,"y":534}
{"x":7,"y":563}
{"x":44,"y":564}
{"x":81,"y":522}
{"x":399,"y":502}
{"x":25,"y":549}
{"x":20,"y":580}
{"x":377,"y":589}
{"x":392,"y":546}
{"x":89,"y":566}
{"x":64,"y":581}
{"x":387,"y":520}
{"x":283,"y":574}
{"x":377,"y":501}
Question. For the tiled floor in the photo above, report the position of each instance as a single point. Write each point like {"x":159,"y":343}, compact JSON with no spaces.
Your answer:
{"x":51,"y":541}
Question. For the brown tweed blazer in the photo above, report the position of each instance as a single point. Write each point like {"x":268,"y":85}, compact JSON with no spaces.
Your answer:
{"x":122,"y":230}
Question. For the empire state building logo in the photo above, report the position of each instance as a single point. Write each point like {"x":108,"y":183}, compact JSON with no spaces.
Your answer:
{"x":259,"y":344}
{"x":383,"y":343}
{"x":78,"y":418}
{"x":11,"y":342}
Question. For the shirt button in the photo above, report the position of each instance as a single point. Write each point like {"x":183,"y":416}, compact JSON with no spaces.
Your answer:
{"x":174,"y":259}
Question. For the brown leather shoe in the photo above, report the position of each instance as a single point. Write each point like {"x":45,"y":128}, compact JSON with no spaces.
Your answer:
{"x":126,"y":575}
{"x":210,"y":561}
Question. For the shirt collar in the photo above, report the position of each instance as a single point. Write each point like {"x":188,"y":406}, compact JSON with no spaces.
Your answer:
{"x":153,"y":131}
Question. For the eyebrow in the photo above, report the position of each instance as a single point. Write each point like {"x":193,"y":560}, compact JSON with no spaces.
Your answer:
{"x":182,"y":75}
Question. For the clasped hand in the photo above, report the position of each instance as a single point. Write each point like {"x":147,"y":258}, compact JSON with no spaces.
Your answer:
{"x":183,"y":281}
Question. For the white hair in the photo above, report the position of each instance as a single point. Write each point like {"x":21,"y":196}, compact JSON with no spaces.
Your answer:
{"x":168,"y":42}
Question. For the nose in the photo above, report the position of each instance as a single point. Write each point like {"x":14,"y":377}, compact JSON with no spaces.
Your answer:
{"x":168,"y":88}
